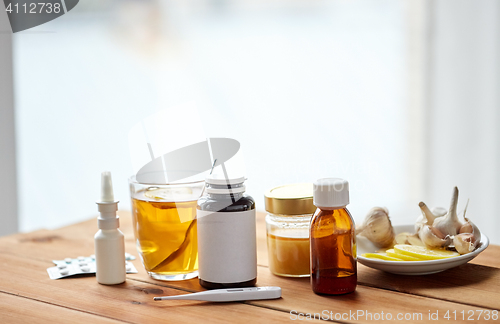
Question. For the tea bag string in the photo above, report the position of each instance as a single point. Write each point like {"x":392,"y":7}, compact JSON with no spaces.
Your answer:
{"x":184,"y":243}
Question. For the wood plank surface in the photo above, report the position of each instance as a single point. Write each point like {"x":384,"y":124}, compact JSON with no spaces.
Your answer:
{"x":489,"y":257}
{"x":15,"y":309}
{"x":469,"y":287}
{"x":297,"y":295}
{"x":131,"y":301}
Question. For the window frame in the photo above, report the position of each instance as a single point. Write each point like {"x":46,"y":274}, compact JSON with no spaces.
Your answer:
{"x":8,"y":174}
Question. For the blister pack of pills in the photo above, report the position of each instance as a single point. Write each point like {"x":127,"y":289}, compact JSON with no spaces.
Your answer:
{"x":82,"y":265}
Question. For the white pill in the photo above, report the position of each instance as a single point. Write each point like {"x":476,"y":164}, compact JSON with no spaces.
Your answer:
{"x":61,"y":266}
{"x":82,"y":264}
{"x":80,"y":258}
{"x":129,"y":268}
{"x":85,"y":269}
{"x":68,"y":260}
{"x":64,"y":272}
{"x":92,"y":256}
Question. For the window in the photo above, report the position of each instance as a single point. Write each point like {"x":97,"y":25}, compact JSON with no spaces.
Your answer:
{"x":311,"y":89}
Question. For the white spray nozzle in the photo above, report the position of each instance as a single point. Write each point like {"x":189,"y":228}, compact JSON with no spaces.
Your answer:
{"x":106,"y":187}
{"x":107,"y":205}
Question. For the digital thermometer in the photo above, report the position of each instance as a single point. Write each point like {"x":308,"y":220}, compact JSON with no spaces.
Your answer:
{"x":229,"y":295}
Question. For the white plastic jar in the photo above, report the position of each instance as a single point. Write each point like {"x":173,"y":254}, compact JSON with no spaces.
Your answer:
{"x":290,"y":209}
{"x":227,"y":247}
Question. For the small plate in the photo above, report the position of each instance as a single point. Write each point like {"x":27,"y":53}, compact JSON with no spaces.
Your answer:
{"x":413,"y":267}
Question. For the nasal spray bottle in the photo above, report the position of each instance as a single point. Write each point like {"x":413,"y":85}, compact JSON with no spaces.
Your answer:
{"x":109,"y":240}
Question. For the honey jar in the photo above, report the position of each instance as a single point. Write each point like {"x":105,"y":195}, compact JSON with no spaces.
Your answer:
{"x":290,"y":208}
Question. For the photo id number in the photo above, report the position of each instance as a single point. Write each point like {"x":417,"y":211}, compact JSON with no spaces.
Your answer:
{"x":34,"y":8}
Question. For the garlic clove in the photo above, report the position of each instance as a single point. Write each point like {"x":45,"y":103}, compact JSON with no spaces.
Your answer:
{"x":426,"y":218}
{"x":468,"y":238}
{"x":433,"y":237}
{"x":467,"y":227}
{"x":419,"y":223}
{"x":449,"y":223}
{"x":415,"y":240}
{"x":470,"y":227}
{"x":401,"y":238}
{"x":465,"y":243}
{"x":377,"y":227}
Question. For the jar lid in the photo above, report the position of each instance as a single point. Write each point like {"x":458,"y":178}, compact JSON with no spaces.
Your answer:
{"x":292,"y":199}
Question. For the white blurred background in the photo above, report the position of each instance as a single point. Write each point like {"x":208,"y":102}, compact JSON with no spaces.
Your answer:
{"x":398,"y":97}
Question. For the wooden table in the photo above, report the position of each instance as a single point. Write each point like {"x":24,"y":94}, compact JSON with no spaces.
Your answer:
{"x":27,"y":295}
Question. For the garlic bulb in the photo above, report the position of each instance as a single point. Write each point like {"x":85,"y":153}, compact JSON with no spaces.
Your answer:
{"x":440,"y":228}
{"x":468,"y":238}
{"x":427,"y":217}
{"x":449,"y":223}
{"x":377,"y":227}
{"x":433,"y":237}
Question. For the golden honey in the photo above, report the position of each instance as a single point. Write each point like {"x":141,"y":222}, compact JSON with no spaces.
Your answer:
{"x":289,"y":256}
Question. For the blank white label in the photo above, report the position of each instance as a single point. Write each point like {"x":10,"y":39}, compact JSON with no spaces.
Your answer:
{"x":227,"y":246}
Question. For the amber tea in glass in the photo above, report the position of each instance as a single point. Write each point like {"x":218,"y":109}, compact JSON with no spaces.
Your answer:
{"x":165,"y":228}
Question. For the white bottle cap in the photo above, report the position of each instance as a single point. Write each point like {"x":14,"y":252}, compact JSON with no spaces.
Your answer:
{"x":219,"y":179}
{"x":331,"y":193}
{"x":227,"y":186}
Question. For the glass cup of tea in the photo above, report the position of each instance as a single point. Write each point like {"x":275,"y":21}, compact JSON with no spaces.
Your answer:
{"x":165,"y":227}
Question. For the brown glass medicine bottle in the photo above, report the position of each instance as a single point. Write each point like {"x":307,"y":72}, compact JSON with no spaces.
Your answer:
{"x":332,"y":239}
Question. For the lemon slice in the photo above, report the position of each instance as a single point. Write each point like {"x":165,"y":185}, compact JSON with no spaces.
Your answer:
{"x":169,"y":194}
{"x":424,"y":253}
{"x":404,"y":257}
{"x":381,"y":256}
